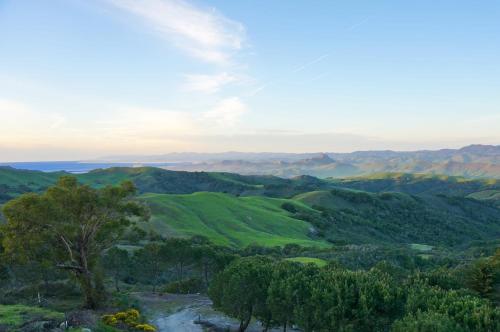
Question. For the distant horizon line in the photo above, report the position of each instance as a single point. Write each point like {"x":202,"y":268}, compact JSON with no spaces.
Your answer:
{"x":108,"y":159}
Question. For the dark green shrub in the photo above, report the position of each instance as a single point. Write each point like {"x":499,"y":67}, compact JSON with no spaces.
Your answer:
{"x":426,"y":322}
{"x":186,"y":286}
{"x":289,"y":207}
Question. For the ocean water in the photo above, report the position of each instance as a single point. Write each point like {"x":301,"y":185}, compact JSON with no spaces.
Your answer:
{"x":74,"y":166}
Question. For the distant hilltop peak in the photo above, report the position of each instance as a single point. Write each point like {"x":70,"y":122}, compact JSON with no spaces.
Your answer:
{"x":481,"y":149}
{"x":322,"y":158}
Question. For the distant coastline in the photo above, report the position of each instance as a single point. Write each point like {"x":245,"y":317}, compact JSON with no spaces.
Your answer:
{"x":75,"y":167}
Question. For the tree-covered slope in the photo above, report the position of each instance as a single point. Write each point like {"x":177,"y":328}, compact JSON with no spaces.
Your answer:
{"x":418,"y":184}
{"x":352,"y":216}
{"x":14,"y":182}
{"x":228,"y":220}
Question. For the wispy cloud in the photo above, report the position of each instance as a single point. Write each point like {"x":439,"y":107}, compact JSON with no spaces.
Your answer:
{"x":203,"y":33}
{"x":227,"y":112}
{"x":207,"y":83}
{"x":8,"y":106}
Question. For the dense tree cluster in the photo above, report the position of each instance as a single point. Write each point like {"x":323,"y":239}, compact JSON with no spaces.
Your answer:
{"x":333,"y":298}
{"x":185,"y":265}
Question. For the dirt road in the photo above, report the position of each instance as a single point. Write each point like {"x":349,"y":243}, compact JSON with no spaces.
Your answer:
{"x":179,"y":313}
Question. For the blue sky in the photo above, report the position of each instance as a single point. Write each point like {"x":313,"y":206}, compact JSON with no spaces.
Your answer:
{"x":82,"y":79}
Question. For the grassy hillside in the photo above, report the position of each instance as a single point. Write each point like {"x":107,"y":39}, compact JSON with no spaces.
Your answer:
{"x":228,"y":220}
{"x":308,"y":260}
{"x":341,"y":216}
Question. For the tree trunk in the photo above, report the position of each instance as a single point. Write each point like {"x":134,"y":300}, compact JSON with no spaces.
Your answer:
{"x":244,"y":324}
{"x":46,"y":282}
{"x":88,"y":290}
{"x":267,"y":324}
{"x":117,"y":283}
{"x":205,"y":273}
{"x":99,"y":289}
{"x":284,"y":327}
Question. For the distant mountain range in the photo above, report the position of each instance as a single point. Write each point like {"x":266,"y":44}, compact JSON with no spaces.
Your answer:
{"x":475,"y":161}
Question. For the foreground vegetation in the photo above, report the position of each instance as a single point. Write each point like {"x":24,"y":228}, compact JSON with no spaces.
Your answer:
{"x":13,"y":317}
{"x":316,"y":257}
{"x":333,"y":298}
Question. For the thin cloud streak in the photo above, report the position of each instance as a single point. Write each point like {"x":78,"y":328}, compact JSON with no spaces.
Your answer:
{"x":207,"y":83}
{"x":310,"y":63}
{"x":203,"y":34}
{"x":294,"y":71}
{"x":358,"y":24}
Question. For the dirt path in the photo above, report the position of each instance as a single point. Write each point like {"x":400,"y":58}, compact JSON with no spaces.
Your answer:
{"x":180,"y":321}
{"x":178,"y":313}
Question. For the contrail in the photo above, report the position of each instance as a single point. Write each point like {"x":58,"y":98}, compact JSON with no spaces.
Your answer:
{"x":307,"y":64}
{"x":354,"y":26}
{"x":296,"y":70}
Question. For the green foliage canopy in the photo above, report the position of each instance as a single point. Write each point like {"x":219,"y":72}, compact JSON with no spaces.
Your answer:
{"x":79,"y":223}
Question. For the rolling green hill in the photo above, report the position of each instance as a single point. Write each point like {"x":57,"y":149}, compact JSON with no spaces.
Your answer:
{"x":239,"y":210}
{"x":341,"y":216}
{"x":228,"y":220}
{"x":14,"y":182}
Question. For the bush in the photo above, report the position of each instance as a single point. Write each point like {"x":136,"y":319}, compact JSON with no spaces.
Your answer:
{"x":186,"y":286}
{"x":289,"y":207}
{"x":101,"y":327}
{"x":426,"y":322}
{"x":123,"y":301}
{"x":129,"y":319}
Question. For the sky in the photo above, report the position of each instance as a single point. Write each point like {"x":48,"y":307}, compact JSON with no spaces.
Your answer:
{"x":81,"y":79}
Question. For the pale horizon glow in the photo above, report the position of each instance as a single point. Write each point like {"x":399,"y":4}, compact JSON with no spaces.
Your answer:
{"x":81,"y":79}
